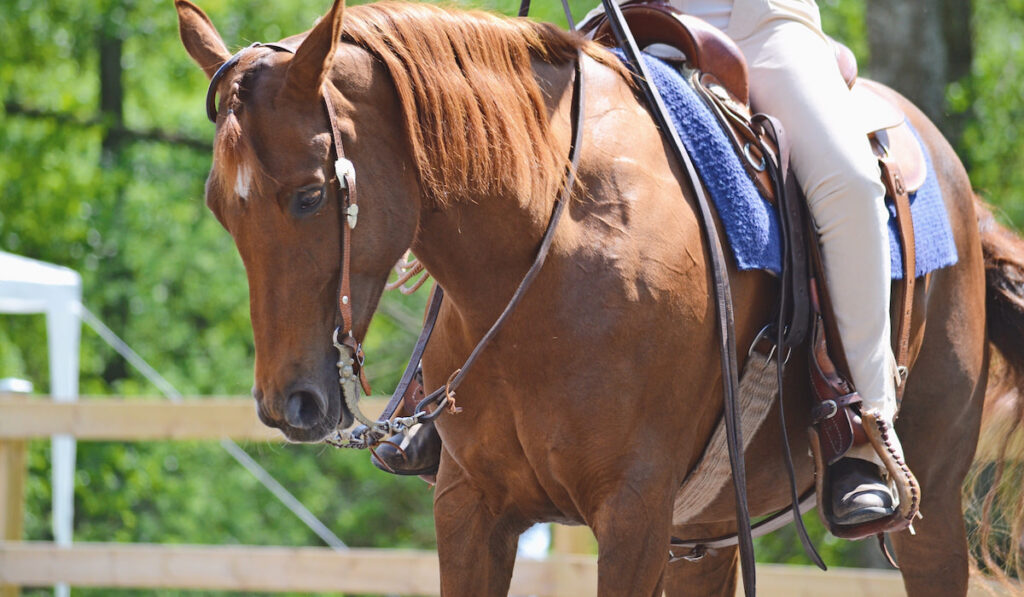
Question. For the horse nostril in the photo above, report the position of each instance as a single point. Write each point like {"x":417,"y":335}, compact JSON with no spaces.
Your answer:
{"x":304,"y":409}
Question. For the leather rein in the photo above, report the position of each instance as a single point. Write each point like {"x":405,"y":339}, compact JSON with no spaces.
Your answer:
{"x":721,"y":289}
{"x":351,"y":374}
{"x":443,"y":398}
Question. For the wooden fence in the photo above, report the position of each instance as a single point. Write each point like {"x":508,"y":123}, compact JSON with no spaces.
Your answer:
{"x":249,"y":568}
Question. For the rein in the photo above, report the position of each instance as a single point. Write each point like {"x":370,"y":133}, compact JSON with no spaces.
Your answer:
{"x":443,"y":398}
{"x":351,"y":374}
{"x":721,"y":289}
{"x":371,"y":433}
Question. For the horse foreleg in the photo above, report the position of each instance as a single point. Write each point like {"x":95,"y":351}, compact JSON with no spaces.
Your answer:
{"x":714,"y":575}
{"x":632,"y":530}
{"x":476,"y":547}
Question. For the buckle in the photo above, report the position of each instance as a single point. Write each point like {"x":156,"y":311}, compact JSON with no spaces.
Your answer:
{"x":832,"y":407}
{"x":764,"y":336}
{"x":696,"y":554}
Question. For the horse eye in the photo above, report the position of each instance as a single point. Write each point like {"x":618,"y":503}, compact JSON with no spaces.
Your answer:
{"x":307,"y":200}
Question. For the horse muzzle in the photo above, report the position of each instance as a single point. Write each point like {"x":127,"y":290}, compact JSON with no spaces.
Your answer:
{"x":304,"y":413}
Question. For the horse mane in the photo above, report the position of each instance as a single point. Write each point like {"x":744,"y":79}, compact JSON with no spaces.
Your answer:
{"x":475,"y":116}
{"x":473,"y":111}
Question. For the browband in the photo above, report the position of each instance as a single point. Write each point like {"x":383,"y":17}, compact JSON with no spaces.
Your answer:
{"x":211,"y":91}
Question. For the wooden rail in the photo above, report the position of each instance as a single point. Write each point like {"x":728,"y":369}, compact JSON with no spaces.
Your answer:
{"x":148,"y":419}
{"x":399,"y":572}
{"x":317,"y":569}
{"x":139,"y":419}
{"x":311,"y":569}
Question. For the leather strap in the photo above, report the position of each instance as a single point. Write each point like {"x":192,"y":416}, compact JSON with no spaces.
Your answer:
{"x":348,"y":210}
{"x":765,"y":137}
{"x":722,"y":292}
{"x":700,"y":547}
{"x":892,"y":177}
{"x":831,"y":407}
{"x":737,"y":123}
{"x":837,"y":434}
{"x":794,"y":297}
{"x":438,"y":396}
{"x":211,"y":90}
{"x":795,"y":302}
{"x":401,"y":390}
{"x":524,"y":11}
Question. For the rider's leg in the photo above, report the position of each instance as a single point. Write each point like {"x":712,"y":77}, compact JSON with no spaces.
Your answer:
{"x":794,"y":77}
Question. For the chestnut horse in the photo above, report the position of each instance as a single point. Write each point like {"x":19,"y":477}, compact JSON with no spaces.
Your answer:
{"x":600,"y":393}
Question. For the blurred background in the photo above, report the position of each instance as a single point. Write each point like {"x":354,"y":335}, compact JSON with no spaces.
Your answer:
{"x":105,"y":150}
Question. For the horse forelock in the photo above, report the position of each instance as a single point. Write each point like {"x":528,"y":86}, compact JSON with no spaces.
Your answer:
{"x":473,"y":111}
{"x":236,"y":169}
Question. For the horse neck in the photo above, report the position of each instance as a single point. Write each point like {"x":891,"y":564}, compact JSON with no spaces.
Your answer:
{"x":479,"y":250}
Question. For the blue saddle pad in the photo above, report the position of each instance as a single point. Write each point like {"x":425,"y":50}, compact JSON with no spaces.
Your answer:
{"x":751,"y":223}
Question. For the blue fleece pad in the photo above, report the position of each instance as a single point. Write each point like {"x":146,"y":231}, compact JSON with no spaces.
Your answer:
{"x":751,"y":223}
{"x":933,"y":237}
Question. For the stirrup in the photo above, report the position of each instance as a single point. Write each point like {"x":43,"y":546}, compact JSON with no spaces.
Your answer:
{"x":883,"y":439}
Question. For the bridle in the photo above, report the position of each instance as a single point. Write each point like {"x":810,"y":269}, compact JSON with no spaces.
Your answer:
{"x":350,"y":352}
{"x":351,"y":374}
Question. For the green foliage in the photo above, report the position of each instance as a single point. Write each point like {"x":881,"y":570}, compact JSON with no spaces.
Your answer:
{"x":993,"y":144}
{"x":844,"y":20}
{"x":158,"y":268}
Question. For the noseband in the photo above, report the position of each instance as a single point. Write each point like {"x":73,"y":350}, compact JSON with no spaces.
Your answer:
{"x":351,"y":374}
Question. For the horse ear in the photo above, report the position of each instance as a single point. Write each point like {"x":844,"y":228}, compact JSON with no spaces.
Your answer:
{"x":200,"y":37}
{"x":312,"y":60}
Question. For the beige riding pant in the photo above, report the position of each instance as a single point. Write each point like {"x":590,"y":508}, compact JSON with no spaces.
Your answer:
{"x":794,"y":77}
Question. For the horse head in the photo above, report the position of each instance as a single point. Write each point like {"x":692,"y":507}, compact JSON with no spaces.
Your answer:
{"x":273,"y":186}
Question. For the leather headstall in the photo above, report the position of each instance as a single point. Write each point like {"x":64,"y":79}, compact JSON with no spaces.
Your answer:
{"x":211,"y":91}
{"x":351,"y":373}
{"x":351,"y":356}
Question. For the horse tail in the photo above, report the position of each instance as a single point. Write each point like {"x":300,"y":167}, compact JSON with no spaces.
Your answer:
{"x":995,"y":490}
